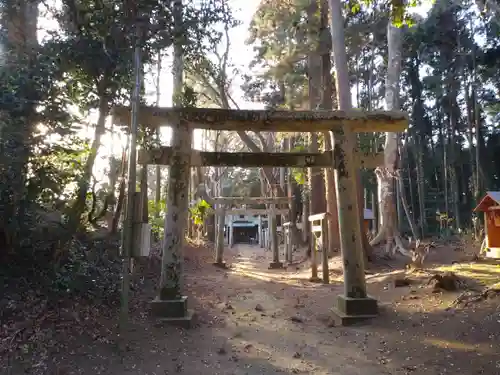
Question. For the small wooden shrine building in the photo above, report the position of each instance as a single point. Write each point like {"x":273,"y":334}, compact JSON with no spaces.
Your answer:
{"x":490,"y":205}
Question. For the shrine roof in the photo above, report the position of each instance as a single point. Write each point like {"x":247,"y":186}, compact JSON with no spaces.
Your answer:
{"x":492,"y":198}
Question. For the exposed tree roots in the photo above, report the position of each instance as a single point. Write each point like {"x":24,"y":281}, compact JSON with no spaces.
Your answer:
{"x":394,"y":243}
{"x":447,"y":281}
{"x":388,"y":231}
{"x":471,"y":296}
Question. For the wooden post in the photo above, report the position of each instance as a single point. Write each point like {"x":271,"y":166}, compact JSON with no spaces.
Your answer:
{"x":326,"y":246}
{"x":128,"y":225}
{"x":220,"y":241}
{"x":354,"y":304}
{"x":486,"y":229}
{"x":316,"y":244}
{"x":144,"y":214}
{"x":259,"y":230}
{"x":314,"y":258}
{"x":231,"y":234}
{"x":137,"y":221}
{"x":287,"y":227}
{"x":286,"y":237}
{"x":216,"y":228}
{"x":305,"y":222}
{"x":273,"y":234}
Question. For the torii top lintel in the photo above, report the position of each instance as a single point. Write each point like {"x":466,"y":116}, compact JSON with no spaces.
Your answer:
{"x":266,"y":120}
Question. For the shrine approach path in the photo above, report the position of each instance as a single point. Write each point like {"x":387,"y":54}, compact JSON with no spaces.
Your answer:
{"x":251,"y":321}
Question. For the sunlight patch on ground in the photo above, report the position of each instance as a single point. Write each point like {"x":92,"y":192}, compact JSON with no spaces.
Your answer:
{"x":459,"y":346}
{"x":484,"y":273}
{"x":425,"y":304}
{"x":383,"y":276}
{"x":252,"y":270}
{"x":253,"y":274}
{"x":263,"y":276}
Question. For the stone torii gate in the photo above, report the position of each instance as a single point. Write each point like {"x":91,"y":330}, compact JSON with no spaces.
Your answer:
{"x":221,"y":212}
{"x":354,"y":304}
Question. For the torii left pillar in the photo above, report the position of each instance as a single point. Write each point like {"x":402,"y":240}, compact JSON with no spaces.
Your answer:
{"x":171,"y":305}
{"x":354,"y":305}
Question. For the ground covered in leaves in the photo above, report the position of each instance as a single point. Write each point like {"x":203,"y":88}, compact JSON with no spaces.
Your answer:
{"x":252,"y":320}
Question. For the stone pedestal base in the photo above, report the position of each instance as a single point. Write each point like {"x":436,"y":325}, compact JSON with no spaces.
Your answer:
{"x":173,"y":312}
{"x":276,"y":265}
{"x":222,"y":265}
{"x":350,"y":311}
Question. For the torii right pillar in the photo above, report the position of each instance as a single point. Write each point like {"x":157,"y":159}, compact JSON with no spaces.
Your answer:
{"x":354,"y":305}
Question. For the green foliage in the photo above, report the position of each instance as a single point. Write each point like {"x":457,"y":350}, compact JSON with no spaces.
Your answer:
{"x":299,"y":175}
{"x":49,"y":90}
{"x":156,"y":218}
{"x":244,"y":182}
{"x":282,"y":37}
{"x":447,"y":55}
{"x":199,"y":211}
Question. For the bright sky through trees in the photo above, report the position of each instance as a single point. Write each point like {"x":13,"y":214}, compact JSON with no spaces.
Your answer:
{"x":240,"y":56}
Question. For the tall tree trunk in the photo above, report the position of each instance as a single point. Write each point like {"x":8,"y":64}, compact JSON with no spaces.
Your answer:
{"x":420,"y":185}
{"x":19,"y":19}
{"x":402,"y":193}
{"x":158,"y":168}
{"x":385,"y":175}
{"x":121,"y":192}
{"x":327,"y":104}
{"x":83,"y":187}
{"x":399,"y":208}
{"x":316,"y":183}
{"x":470,"y":137}
{"x":453,"y":114}
{"x":294,"y":233}
{"x":344,"y":93}
{"x":479,"y":144}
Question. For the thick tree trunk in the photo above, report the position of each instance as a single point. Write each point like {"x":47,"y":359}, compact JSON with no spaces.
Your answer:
{"x":385,"y":175}
{"x":420,"y":186}
{"x":316,"y":182}
{"x":344,"y":97}
{"x":19,"y":19}
{"x":327,"y":104}
{"x":418,"y":139}
{"x":453,"y":171}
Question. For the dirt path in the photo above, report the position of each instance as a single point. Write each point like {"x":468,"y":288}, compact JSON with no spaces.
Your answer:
{"x":258,"y":321}
{"x":251,"y":321}
{"x":255,"y":321}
